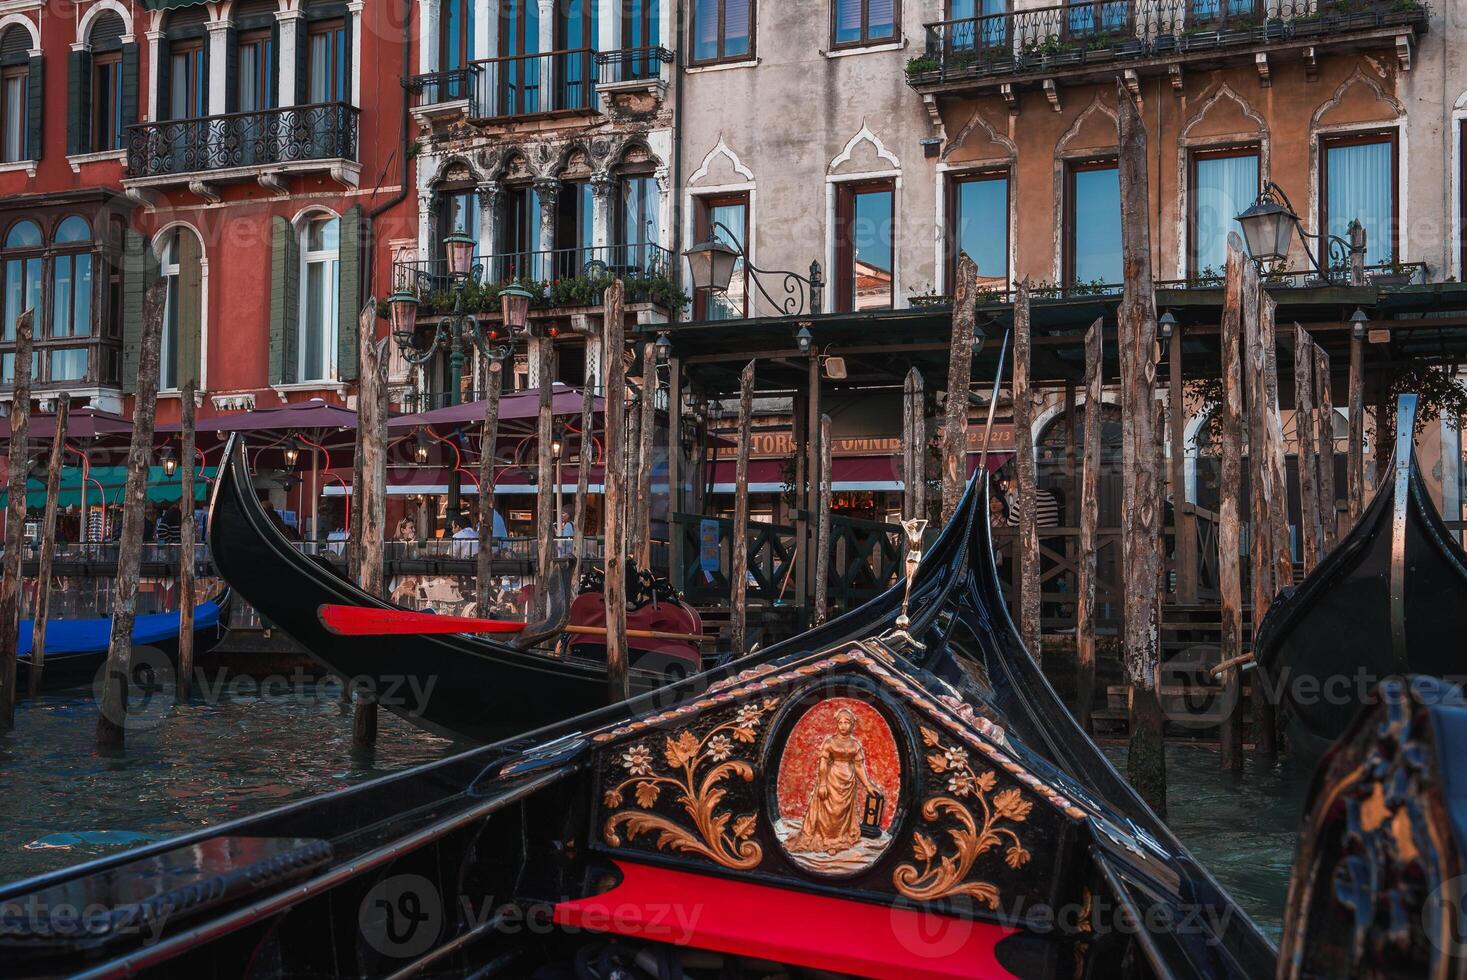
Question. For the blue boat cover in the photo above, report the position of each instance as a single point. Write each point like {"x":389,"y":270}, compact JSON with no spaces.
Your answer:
{"x":95,"y":635}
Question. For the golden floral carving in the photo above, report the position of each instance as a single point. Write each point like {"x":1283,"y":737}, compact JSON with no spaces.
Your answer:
{"x":699,"y":792}
{"x":943,"y":875}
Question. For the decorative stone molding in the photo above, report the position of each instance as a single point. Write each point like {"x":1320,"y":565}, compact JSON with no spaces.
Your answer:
{"x":864,"y":134}
{"x":722,"y":149}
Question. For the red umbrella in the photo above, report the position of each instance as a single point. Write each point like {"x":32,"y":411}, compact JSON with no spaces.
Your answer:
{"x":515,"y":407}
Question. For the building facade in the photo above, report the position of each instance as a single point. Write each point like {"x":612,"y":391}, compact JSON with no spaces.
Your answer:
{"x":248,"y":153}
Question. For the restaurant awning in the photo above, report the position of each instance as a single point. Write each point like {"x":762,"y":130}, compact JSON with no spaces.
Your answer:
{"x":83,"y":423}
{"x":107,"y":483}
{"x":517,"y":406}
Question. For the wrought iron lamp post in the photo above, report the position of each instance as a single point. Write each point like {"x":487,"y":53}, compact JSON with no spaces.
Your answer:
{"x":459,"y":328}
{"x":713,"y":263}
{"x":1269,"y":226}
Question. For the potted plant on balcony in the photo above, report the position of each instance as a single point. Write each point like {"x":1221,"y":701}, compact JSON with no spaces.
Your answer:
{"x":1405,"y":12}
{"x":1101,"y":47}
{"x":1392,"y":273}
{"x":1236,"y":30}
{"x":1052,"y":50}
{"x":921,"y":66}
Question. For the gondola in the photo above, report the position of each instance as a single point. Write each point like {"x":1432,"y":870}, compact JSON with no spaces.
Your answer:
{"x":1386,"y":601}
{"x":456,"y":685}
{"x":77,"y":648}
{"x":899,"y":794}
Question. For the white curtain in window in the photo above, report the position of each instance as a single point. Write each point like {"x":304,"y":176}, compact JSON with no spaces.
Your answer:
{"x":729,"y":305}
{"x":15,"y":121}
{"x":319,"y":296}
{"x":320,"y":82}
{"x":1225,"y":187}
{"x":1362,"y":186}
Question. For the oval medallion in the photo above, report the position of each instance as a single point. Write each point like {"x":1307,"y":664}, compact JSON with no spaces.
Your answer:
{"x":838,"y":787}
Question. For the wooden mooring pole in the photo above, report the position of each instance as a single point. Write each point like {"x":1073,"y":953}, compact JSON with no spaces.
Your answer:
{"x":959,"y":377}
{"x":587,"y":456}
{"x":1028,"y":550}
{"x":19,"y":458}
{"x":646,"y":448}
{"x":822,"y":550}
{"x":1136,"y":333}
{"x":546,"y":521}
{"x":1355,"y":400}
{"x":488,"y":438}
{"x":914,"y":448}
{"x":1229,"y":532}
{"x":614,"y":566}
{"x":1304,"y":425}
{"x":1329,"y":511}
{"x":112,"y":713}
{"x":42,"y":612}
{"x":372,"y":448}
{"x":739,"y":545}
{"x":1089,"y":507}
{"x":183,"y":679}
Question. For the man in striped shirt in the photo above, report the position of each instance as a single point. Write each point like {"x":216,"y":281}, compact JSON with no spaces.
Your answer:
{"x":1046,"y":506}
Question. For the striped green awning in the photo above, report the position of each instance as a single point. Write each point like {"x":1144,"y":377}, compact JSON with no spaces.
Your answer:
{"x":162,"y":488}
{"x":171,"y":4}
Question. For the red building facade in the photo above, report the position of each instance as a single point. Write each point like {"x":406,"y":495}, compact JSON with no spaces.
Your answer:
{"x":248,"y":152}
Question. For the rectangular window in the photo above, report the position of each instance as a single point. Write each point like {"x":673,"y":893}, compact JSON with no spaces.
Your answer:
{"x":1224,"y":184}
{"x":858,"y":22}
{"x":327,"y":65}
{"x":574,"y":229}
{"x":22,"y":292}
{"x":723,"y":218}
{"x":1359,"y":182}
{"x":864,"y":252}
{"x":978,"y":225}
{"x":13,"y":108}
{"x":1093,"y":225}
{"x":723,"y":30}
{"x":107,"y":102}
{"x":1098,"y":18}
{"x":636,"y":221}
{"x":7,"y":367}
{"x":978,"y":23}
{"x":1203,"y":11}
{"x":186,"y":80}
{"x":518,"y":249}
{"x":71,"y":295}
{"x":68,"y":364}
{"x":256,"y":71}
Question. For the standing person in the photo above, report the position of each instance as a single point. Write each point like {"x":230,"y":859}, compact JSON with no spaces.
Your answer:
{"x":565,"y":531}
{"x":170,"y":522}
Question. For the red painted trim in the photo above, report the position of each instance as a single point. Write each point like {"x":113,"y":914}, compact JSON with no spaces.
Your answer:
{"x":745,"y":919}
{"x":361,"y":621}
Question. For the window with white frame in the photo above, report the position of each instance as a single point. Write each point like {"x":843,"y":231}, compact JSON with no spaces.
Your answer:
{"x":169,"y":269}
{"x":320,"y":262}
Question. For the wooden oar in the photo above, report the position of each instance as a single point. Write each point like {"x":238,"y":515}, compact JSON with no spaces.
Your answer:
{"x":362,"y":621}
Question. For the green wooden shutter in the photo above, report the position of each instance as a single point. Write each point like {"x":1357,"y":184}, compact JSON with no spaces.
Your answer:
{"x":231,"y":70}
{"x":35,"y":108}
{"x":302,"y":62}
{"x":349,"y":292}
{"x":139,"y":268}
{"x":129,"y":88}
{"x":78,"y":102}
{"x":284,"y":301}
{"x":190,"y":307}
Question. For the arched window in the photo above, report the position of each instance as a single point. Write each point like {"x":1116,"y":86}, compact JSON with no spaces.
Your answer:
{"x":22,"y":285}
{"x":71,"y":296}
{"x":108,"y":120}
{"x":15,"y":101}
{"x":180,"y":265}
{"x":320,"y":297}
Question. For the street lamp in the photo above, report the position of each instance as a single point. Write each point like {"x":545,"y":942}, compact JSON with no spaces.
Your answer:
{"x":1167,"y":323}
{"x":1359,"y":324}
{"x":803,"y":337}
{"x":557,"y":450}
{"x":420,"y":451}
{"x":664,"y":348}
{"x":713,"y":262}
{"x":170,"y":464}
{"x":292,"y":452}
{"x":459,"y":250}
{"x":1268,"y":229}
{"x":514,"y":305}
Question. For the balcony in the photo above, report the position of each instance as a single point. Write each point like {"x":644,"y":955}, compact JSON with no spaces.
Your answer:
{"x":633,"y":80}
{"x":262,"y":146}
{"x":492,"y":90}
{"x":560,"y":279}
{"x":1093,"y":39}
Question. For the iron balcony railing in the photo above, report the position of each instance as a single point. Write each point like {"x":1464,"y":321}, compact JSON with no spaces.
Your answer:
{"x":324,"y":131}
{"x":534,"y":84}
{"x":560,"y":278}
{"x":1099,"y":31}
{"x":442,"y":87}
{"x":631,"y":65}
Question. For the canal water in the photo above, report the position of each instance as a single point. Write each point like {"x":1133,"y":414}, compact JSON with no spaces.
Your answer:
{"x":240,"y":752}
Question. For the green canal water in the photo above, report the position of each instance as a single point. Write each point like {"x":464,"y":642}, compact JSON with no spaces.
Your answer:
{"x":212,"y":760}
